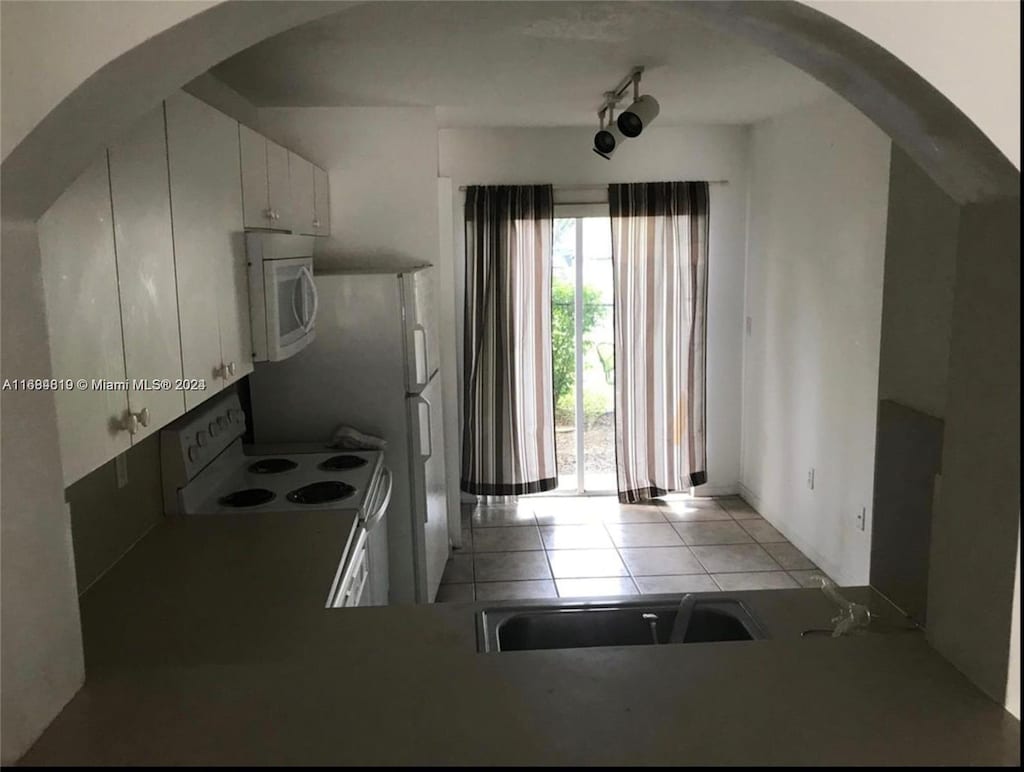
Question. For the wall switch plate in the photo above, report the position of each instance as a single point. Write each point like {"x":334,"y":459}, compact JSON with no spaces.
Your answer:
{"x":121,"y":467}
{"x":862,"y":518}
{"x":810,"y":478}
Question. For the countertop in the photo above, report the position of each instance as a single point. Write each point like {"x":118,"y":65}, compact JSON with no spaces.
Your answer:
{"x":197,"y":657}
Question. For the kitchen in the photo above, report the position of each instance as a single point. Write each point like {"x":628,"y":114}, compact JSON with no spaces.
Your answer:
{"x":416,"y":627}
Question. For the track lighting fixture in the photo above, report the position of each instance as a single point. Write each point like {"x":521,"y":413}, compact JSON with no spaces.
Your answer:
{"x":639,"y":116}
{"x":631,"y":122}
{"x":608,"y":137}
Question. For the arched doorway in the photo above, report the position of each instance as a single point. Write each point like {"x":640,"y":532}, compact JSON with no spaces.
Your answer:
{"x":929,"y":128}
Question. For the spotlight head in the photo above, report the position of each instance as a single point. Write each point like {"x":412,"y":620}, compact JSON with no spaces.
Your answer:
{"x":607,"y":141}
{"x":638,"y":117}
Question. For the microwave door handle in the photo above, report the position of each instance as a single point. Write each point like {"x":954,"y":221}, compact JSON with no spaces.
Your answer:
{"x":308,"y":324}
{"x":295,"y":310}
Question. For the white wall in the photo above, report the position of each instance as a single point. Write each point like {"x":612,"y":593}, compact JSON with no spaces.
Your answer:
{"x":42,"y":665}
{"x":920,"y":271}
{"x":68,"y":42}
{"x":976,"y":527}
{"x":565,"y":157}
{"x":382,"y":163}
{"x":969,"y":50}
{"x":818,"y":198}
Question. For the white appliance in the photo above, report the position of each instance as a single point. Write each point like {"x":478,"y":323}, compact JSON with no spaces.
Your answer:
{"x":374,"y":366}
{"x":206,"y":472}
{"x":282,"y":294}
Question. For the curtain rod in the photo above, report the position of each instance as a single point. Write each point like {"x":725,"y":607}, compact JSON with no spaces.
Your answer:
{"x":601,"y":186}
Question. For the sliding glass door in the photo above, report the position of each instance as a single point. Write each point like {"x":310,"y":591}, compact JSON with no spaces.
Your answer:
{"x":583,"y":353}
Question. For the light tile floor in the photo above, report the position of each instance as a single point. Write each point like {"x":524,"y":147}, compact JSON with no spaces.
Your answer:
{"x":559,"y":546}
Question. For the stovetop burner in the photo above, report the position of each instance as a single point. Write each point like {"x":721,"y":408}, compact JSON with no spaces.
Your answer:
{"x":250,"y":497}
{"x":322,"y":492}
{"x":272,"y":466}
{"x":338,"y":463}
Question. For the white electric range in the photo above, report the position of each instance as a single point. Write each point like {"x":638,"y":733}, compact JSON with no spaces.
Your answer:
{"x":207,"y":472}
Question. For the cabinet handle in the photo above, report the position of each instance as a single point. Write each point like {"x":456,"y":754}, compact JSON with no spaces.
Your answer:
{"x":143,"y":416}
{"x":316,"y":223}
{"x":130,"y":422}
{"x":231,"y":368}
{"x":268,"y":213}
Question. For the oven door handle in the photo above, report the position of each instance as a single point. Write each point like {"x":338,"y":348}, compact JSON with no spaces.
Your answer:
{"x":387,"y":483}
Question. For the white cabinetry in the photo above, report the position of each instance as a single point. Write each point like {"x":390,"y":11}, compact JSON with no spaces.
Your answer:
{"x":280,"y":189}
{"x":266,"y":188}
{"x":321,"y":202}
{"x":279,"y":185}
{"x":256,"y":209}
{"x":206,"y":205}
{"x":145,"y":273}
{"x":303,"y":206}
{"x":76,"y":241}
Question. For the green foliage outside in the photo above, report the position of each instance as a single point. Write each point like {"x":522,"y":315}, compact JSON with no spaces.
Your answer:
{"x":563,"y":334}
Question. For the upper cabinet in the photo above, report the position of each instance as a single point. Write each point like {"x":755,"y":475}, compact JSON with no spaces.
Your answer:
{"x":76,"y":242}
{"x":321,"y":202}
{"x":266,"y":188}
{"x":206,"y":204}
{"x":303,"y":207}
{"x":280,"y":189}
{"x":256,"y":209}
{"x":145,"y":274}
{"x":279,"y":185}
{"x":145,"y":277}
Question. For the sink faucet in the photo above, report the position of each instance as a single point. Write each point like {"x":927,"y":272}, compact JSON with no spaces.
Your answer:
{"x":682,"y":620}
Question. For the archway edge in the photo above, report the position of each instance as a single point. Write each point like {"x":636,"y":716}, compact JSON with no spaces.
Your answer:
{"x":928,"y":126}
{"x":921,"y":120}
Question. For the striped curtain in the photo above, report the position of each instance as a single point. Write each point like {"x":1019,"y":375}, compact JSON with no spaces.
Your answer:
{"x":660,"y":263}
{"x":508,"y":435}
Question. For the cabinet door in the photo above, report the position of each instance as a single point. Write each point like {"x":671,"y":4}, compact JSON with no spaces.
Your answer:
{"x":278,"y":186}
{"x":206,"y":219}
{"x":145,"y":272}
{"x":255,"y":193}
{"x":321,"y":202}
{"x":76,"y":242}
{"x":303,"y":208}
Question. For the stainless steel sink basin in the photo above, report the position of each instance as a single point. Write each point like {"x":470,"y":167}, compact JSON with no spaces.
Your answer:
{"x":638,"y":622}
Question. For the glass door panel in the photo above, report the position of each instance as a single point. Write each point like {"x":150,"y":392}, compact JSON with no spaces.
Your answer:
{"x":597,"y":348}
{"x":563,"y":350}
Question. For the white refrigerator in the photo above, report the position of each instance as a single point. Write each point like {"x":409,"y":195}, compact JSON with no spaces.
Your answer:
{"x":374,"y":366}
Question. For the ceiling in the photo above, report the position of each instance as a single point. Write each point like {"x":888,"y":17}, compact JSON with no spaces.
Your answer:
{"x":517,"y":63}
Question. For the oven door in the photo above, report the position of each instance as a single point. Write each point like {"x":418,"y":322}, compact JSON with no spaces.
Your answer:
{"x":352,"y":582}
{"x":291,"y":302}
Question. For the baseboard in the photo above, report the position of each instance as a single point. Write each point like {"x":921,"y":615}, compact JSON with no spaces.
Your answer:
{"x":812,"y":554}
{"x":750,"y":497}
{"x":716,"y":490}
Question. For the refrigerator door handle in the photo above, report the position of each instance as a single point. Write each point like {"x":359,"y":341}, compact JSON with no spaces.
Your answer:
{"x":426,"y":450}
{"x":419,"y":341}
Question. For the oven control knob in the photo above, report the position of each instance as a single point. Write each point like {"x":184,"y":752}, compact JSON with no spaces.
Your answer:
{"x":213,"y":428}
{"x":201,"y":438}
{"x":222,"y":422}
{"x":193,"y":453}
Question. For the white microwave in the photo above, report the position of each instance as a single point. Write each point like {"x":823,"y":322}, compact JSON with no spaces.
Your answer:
{"x":282,"y":295}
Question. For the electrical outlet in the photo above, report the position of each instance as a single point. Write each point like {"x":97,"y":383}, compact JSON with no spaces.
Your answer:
{"x":862,"y":518}
{"x":810,"y":478}
{"x":121,"y":467}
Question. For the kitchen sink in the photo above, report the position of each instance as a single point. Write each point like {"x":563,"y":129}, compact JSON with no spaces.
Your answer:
{"x":702,"y":618}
